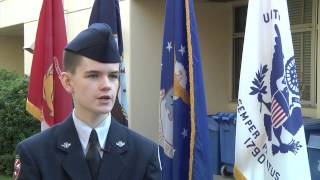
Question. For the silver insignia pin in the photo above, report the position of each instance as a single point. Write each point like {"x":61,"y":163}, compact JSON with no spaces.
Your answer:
{"x":66,"y":145}
{"x":120,"y":144}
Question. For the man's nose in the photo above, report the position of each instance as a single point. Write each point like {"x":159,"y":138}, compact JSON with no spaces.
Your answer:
{"x":105,"y":83}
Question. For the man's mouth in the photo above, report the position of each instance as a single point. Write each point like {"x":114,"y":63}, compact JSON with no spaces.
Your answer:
{"x":104,"y":98}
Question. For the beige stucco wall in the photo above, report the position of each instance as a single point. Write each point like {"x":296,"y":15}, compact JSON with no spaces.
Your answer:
{"x":8,"y":13}
{"x":30,"y":29}
{"x":215,"y":28}
{"x":145,"y":58}
{"x":11,"y":53}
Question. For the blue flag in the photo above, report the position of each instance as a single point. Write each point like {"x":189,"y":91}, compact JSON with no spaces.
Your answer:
{"x":108,"y":11}
{"x":184,"y":150}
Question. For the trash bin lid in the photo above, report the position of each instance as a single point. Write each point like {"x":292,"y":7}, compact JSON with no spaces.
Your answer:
{"x":311,"y":124}
{"x":212,"y":123}
{"x":314,"y":141}
{"x":229,"y":117}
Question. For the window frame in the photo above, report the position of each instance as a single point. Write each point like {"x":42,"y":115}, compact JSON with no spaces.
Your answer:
{"x":233,"y":97}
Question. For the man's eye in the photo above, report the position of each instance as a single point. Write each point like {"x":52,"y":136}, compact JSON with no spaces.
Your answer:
{"x":114,"y":76}
{"x":92,"y":76}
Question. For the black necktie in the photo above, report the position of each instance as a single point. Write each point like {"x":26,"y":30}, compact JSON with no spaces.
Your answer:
{"x":93,"y":156}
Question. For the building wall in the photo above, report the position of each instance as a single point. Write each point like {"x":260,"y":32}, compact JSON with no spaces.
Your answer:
{"x":11,"y":47}
{"x":215,"y":29}
{"x":8,"y":13}
{"x":146,"y":31}
{"x":11,"y":53}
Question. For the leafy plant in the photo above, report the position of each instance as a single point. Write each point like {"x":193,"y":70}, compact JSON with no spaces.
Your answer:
{"x":15,"y":123}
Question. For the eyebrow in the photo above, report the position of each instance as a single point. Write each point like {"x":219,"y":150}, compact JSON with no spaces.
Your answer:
{"x":97,"y":72}
{"x":92,"y":72}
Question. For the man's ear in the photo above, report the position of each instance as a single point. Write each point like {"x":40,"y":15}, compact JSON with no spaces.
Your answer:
{"x":66,"y":81}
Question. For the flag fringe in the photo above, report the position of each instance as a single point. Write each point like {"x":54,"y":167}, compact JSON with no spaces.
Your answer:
{"x":190,"y":59}
{"x":33,"y":110}
{"x":237,"y":173}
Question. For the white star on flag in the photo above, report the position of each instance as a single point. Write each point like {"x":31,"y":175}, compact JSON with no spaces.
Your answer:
{"x":169,"y":46}
{"x":184,"y":133}
{"x":182,"y":50}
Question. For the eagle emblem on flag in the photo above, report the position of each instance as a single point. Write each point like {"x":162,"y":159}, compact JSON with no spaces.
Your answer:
{"x":282,"y":114}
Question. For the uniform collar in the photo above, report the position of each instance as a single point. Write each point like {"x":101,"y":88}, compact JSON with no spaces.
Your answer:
{"x":84,"y":131}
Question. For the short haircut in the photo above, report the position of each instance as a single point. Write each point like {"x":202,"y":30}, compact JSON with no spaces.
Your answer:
{"x":71,"y":61}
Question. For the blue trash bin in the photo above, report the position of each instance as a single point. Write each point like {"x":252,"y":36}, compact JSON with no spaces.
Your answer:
{"x":311,"y":126}
{"x":227,"y":124}
{"x":214,"y":142}
{"x":314,"y":156}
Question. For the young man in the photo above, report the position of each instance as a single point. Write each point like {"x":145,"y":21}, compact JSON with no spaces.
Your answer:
{"x":89,"y":144}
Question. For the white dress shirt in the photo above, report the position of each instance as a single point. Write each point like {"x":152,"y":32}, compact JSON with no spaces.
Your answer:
{"x":84,"y":132}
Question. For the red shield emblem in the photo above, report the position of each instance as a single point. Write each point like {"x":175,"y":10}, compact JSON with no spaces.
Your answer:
{"x":17,"y":165}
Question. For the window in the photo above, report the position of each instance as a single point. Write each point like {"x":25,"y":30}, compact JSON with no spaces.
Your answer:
{"x":303,"y":29}
{"x":239,"y":25}
{"x":302,"y":15}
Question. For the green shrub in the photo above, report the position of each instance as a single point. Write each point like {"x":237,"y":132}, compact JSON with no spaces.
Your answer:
{"x":6,"y":164}
{"x":15,"y":123}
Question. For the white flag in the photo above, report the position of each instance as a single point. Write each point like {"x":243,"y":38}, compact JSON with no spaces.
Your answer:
{"x":270,"y":140}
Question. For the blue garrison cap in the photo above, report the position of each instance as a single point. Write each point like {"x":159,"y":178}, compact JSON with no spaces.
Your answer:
{"x":97,"y":43}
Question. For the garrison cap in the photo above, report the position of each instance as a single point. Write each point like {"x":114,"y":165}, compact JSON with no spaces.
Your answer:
{"x":97,"y":43}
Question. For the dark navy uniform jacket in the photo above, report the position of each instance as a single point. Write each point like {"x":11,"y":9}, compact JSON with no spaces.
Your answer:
{"x":56,"y":154}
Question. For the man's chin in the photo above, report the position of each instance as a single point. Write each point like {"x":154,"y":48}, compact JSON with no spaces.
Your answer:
{"x":103,"y":111}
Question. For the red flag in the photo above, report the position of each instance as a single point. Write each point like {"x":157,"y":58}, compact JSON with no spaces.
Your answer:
{"x":47,"y":99}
